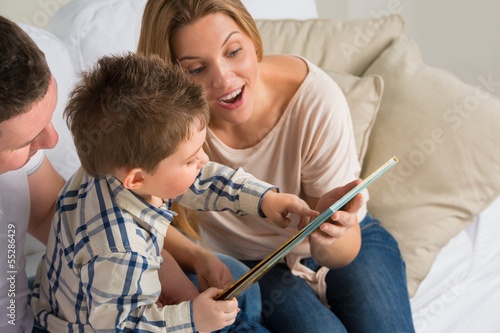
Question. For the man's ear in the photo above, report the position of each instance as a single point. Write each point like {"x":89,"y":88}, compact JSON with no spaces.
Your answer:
{"x":134,"y":179}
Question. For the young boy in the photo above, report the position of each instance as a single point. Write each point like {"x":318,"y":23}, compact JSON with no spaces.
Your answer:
{"x":139,"y":126}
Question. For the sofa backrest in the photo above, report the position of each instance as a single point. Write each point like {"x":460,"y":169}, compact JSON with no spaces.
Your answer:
{"x":93,"y":28}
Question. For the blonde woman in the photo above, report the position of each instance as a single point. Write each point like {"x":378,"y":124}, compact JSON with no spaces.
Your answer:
{"x":285,"y":121}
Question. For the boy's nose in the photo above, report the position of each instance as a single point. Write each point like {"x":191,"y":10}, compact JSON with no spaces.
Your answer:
{"x":203,"y":160}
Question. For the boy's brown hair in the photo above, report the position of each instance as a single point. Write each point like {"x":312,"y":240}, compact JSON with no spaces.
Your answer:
{"x":132,"y":111}
{"x":24,"y":73}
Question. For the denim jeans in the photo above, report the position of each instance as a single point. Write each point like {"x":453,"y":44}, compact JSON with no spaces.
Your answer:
{"x":368,"y":295}
{"x":249,"y":301}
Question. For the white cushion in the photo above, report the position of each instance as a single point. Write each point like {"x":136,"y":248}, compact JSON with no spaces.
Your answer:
{"x":93,"y":28}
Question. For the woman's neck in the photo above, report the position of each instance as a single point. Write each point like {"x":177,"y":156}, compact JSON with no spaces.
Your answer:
{"x":277,"y":84}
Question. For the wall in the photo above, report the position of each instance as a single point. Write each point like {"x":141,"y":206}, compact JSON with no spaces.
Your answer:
{"x":460,"y":36}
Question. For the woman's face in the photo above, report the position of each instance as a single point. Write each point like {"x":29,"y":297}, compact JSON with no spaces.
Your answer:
{"x":219,"y":55}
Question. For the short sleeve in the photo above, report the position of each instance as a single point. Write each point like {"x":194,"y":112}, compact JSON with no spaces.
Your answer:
{"x":34,"y":163}
{"x":329,"y":157}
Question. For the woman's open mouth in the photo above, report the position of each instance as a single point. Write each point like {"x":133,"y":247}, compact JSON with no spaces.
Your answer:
{"x":232,"y":98}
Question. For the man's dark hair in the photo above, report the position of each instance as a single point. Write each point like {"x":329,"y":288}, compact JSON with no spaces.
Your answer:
{"x":24,"y":73}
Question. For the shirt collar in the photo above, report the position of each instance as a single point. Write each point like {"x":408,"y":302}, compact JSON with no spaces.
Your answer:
{"x":145,"y":214}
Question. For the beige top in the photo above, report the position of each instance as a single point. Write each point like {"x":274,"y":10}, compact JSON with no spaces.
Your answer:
{"x":310,"y":150}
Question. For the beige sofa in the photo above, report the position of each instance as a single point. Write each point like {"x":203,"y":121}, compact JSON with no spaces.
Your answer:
{"x":444,"y":132}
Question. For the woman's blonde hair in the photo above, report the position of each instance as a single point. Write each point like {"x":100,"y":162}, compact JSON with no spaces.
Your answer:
{"x":161,"y":19}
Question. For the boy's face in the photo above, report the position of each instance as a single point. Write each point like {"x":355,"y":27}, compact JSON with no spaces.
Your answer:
{"x":22,"y":136}
{"x":176,"y":173}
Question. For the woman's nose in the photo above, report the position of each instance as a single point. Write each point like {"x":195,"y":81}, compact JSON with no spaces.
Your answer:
{"x":221,"y":76}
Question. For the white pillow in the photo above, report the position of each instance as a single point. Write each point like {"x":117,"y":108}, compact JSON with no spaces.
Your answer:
{"x":93,"y":28}
{"x":63,"y":157}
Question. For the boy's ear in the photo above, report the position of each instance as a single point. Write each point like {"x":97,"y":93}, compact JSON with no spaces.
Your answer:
{"x":134,"y":179}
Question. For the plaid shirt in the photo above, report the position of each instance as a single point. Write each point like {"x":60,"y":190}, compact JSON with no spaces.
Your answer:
{"x":99,"y":272}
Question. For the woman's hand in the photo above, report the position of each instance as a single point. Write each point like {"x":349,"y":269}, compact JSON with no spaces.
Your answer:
{"x":277,"y":206}
{"x":336,"y":242}
{"x":212,"y":272}
{"x":342,"y":219}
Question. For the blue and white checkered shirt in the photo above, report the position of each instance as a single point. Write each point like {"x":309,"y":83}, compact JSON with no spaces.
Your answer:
{"x":99,"y":272}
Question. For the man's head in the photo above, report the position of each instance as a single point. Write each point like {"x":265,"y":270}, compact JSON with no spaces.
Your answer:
{"x":28,"y":96}
{"x":133,"y":111}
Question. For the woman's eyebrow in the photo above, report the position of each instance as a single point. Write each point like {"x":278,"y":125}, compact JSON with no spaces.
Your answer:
{"x":229,"y":36}
{"x":224,"y":43}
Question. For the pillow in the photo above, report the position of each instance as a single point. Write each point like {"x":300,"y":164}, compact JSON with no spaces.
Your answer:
{"x":63,"y":156}
{"x":93,"y":28}
{"x":363,"y":96}
{"x":343,"y":46}
{"x":445,"y":134}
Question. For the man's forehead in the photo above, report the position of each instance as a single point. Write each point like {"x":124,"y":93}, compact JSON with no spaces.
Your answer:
{"x":24,"y":128}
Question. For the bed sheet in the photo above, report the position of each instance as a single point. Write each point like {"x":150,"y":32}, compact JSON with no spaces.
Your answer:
{"x":463,"y":285}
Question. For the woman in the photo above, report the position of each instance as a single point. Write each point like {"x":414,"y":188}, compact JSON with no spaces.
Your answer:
{"x":286,"y":122}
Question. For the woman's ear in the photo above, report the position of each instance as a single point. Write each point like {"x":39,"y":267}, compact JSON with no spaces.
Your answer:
{"x":134,"y":179}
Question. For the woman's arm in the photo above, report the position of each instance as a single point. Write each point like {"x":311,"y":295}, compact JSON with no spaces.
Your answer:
{"x":176,"y":287}
{"x":192,"y":258}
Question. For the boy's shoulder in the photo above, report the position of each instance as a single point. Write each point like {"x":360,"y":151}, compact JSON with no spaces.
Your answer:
{"x":92,"y":223}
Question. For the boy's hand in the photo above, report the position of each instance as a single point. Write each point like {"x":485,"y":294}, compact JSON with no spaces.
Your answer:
{"x":211,"y":315}
{"x":277,"y":206}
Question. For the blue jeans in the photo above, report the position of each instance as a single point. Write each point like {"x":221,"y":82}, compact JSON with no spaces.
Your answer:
{"x":368,"y":295}
{"x":249,"y":302}
{"x":38,"y":329}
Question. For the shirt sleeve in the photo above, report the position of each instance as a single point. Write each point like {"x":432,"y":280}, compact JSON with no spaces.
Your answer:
{"x":122,"y":289}
{"x":330,"y":159}
{"x":34,"y":163}
{"x":219,"y":188}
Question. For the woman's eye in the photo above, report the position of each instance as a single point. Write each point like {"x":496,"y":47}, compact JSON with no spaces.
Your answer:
{"x":235,"y":52}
